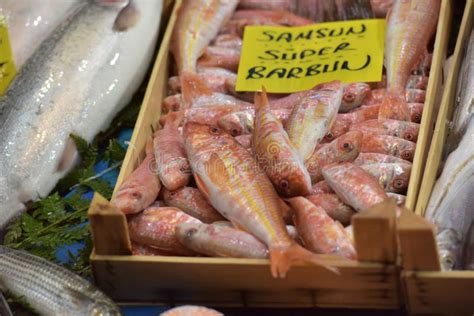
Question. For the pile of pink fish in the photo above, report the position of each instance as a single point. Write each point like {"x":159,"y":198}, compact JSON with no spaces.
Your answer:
{"x":274,"y":176}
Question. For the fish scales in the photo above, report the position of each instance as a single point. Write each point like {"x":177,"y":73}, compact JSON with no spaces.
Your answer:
{"x":313,"y":116}
{"x":70,"y":85}
{"x":51,"y":289}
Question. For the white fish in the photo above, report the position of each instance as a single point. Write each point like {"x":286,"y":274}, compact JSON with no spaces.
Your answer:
{"x":76,"y":82}
{"x":30,"y":22}
{"x":464,"y":105}
{"x":450,"y":205}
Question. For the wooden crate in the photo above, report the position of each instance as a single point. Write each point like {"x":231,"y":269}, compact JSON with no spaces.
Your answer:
{"x":373,"y":282}
{"x":433,"y":97}
{"x":426,"y":288}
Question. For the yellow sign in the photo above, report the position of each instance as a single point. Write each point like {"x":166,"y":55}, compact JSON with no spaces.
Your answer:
{"x":7,"y":66}
{"x":291,"y":59}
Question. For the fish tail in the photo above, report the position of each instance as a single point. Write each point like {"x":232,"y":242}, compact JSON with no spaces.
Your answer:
{"x":192,"y":86}
{"x":261,"y":99}
{"x":281,"y":260}
{"x":394,"y":107}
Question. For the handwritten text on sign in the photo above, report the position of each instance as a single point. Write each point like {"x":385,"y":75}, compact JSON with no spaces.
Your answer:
{"x":290,"y":59}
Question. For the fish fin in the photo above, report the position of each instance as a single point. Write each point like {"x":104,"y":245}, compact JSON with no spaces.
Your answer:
{"x":261,"y":99}
{"x":68,"y":157}
{"x":394,"y":107}
{"x":281,"y":260}
{"x":191,"y":87}
{"x":127,"y":17}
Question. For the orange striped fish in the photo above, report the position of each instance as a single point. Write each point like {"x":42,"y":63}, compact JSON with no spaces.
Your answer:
{"x":411,"y":24}
{"x":312,"y":117}
{"x":198,"y":23}
{"x":231,"y":180}
{"x":319,"y":232}
{"x":275,"y":154}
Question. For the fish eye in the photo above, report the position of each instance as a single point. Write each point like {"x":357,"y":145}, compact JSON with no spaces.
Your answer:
{"x":330,"y":135}
{"x":409,"y":136}
{"x":349,"y":97}
{"x":398,"y":183}
{"x":172,"y":193}
{"x":136,"y":195}
{"x":190,"y":232}
{"x":406,"y":155}
{"x":184,"y":167}
{"x":347,"y":146}
{"x":234,"y":132}
{"x":214,"y":130}
{"x":417,"y":118}
{"x":284,"y":184}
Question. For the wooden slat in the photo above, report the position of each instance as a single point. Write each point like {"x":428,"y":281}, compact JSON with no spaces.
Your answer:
{"x":445,"y":112}
{"x":440,"y":293}
{"x":417,"y":243}
{"x":245,"y":282}
{"x":374,"y":233}
{"x":447,"y":293}
{"x":430,"y":110}
{"x":109,"y":228}
{"x":150,"y":110}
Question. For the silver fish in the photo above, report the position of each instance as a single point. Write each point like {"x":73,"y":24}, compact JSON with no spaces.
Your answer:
{"x":450,"y":205}
{"x":464,"y":104}
{"x":76,"y":82}
{"x":30,"y":22}
{"x":49,"y":288}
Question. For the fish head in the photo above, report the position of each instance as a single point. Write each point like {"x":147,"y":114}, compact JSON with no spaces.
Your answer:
{"x":237,"y":123}
{"x":187,"y":231}
{"x":199,"y":135}
{"x":407,"y":150}
{"x":170,"y":197}
{"x":171,"y":103}
{"x":400,"y":178}
{"x":338,"y":128}
{"x":132,"y":198}
{"x":348,"y":145}
{"x":354,"y":93}
{"x":175,"y":173}
{"x":201,"y":139}
{"x":410,"y":132}
{"x":290,"y":179}
{"x":416,"y":112}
